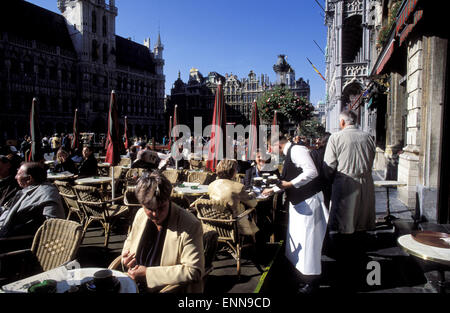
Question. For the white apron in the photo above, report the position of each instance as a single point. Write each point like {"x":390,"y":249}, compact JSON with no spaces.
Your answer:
{"x":306,"y":231}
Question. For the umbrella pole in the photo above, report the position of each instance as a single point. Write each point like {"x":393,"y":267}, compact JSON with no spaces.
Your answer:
{"x":112,"y":185}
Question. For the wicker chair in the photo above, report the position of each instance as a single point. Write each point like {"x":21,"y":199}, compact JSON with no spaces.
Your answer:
{"x":132,"y":176}
{"x":204,"y":178}
{"x":66,"y":191}
{"x":216,"y":215}
{"x":98,"y":208}
{"x":55,"y":243}
{"x":130,"y":200}
{"x":172,"y":175}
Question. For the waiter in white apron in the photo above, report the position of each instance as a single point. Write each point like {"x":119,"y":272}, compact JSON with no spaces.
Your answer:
{"x":307,"y":214}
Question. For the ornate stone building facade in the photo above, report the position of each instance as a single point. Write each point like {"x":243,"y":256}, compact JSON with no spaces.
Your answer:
{"x":197,"y":96}
{"x":74,"y":60}
{"x":391,"y":57}
{"x":347,"y":58}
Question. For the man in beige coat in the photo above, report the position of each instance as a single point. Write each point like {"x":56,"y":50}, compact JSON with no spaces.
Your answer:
{"x":349,"y":158}
{"x":165,"y":244}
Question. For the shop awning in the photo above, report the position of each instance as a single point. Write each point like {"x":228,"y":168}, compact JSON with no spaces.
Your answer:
{"x":386,"y":56}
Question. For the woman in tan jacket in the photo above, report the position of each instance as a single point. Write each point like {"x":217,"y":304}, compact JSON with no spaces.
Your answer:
{"x":226,"y":189}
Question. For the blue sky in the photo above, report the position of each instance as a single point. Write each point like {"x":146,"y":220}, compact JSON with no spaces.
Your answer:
{"x":227,"y":36}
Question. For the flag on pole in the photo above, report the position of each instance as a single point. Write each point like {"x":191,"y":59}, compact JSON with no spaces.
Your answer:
{"x":316,"y":69}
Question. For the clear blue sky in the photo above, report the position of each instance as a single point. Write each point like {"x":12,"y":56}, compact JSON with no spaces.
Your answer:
{"x":233,"y":36}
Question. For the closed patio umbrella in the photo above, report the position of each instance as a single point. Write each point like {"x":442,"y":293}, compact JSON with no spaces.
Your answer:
{"x":253,"y":134}
{"x":113,"y":141}
{"x":75,"y":144}
{"x":217,"y":141}
{"x":35,"y":153}
{"x":126,"y":134}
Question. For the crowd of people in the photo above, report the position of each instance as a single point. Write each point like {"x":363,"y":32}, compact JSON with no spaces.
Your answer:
{"x":327,"y":189}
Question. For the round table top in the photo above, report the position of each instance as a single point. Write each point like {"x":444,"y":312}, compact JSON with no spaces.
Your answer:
{"x":388,"y":183}
{"x":82,"y":275}
{"x":62,"y":175}
{"x":94,"y":180}
{"x":188,"y":190}
{"x":423,"y":251}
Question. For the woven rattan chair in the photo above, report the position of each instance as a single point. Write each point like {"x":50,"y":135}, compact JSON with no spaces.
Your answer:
{"x":172,"y":175}
{"x":130,"y":200}
{"x":132,"y":176}
{"x":66,"y":191}
{"x":216,"y":215}
{"x":55,"y":243}
{"x":98,"y":208}
{"x":204,"y":178}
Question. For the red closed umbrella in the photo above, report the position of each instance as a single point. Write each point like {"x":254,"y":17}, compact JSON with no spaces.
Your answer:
{"x":126,"y":133}
{"x":75,"y":145}
{"x":113,"y":141}
{"x":217,"y":141}
{"x":253,"y":134}
{"x":35,"y":154}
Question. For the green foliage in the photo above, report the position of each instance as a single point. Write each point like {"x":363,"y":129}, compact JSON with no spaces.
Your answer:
{"x":285,"y":103}
{"x":311,"y":128}
{"x":386,"y":29}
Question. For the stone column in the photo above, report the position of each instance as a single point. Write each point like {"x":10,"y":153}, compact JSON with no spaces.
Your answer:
{"x":408,"y":170}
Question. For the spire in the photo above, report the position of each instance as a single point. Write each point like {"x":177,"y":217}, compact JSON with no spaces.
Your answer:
{"x":158,"y":42}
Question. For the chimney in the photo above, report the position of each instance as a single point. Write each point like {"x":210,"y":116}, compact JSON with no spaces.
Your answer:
{"x":147,"y":42}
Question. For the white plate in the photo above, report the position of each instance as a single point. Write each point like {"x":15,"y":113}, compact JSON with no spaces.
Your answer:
{"x":191,"y":184}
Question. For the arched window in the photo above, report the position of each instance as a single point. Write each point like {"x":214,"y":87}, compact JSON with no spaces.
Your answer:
{"x":94,"y":50}
{"x":105,"y":53}
{"x":94,"y":22}
{"x":104,"y":26}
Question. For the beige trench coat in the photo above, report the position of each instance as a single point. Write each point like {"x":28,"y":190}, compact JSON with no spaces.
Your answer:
{"x":349,"y":155}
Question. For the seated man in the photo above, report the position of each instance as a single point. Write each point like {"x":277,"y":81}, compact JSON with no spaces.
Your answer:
{"x":88,"y":166}
{"x":37,"y":201}
{"x":8,"y":185}
{"x":165,"y":245}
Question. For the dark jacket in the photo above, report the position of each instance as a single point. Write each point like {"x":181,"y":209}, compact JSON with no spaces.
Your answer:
{"x":68,"y":166}
{"x":88,"y":167}
{"x":252,"y":172}
{"x":8,"y":189}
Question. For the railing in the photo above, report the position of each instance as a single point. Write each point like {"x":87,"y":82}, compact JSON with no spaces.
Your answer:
{"x":354,"y":69}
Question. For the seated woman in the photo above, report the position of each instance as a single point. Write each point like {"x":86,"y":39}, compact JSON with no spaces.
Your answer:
{"x":89,"y":165}
{"x":260,"y":168}
{"x":64,"y":163}
{"x":165,"y":245}
{"x":225,"y":188}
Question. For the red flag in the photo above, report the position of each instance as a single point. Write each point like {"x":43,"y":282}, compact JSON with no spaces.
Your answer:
{"x":35,"y":154}
{"x":113,"y":141}
{"x":217,"y":141}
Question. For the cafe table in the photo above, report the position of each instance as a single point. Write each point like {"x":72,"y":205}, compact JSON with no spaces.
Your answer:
{"x":60,"y":176}
{"x":191,"y":189}
{"x":68,"y":279}
{"x":387,"y":184}
{"x":432,"y":250}
{"x":94,"y":180}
